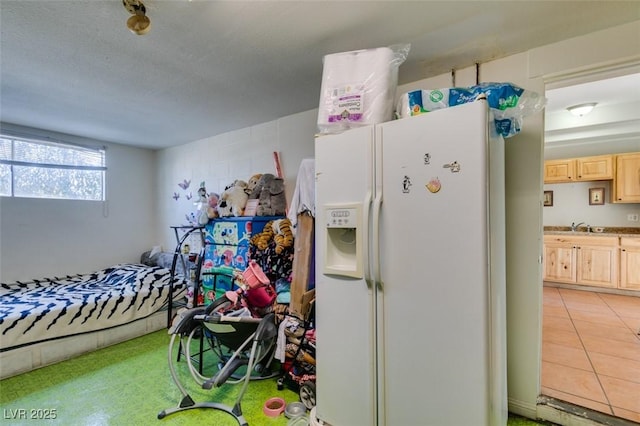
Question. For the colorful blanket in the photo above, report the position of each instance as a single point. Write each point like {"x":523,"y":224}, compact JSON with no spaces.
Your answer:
{"x":40,"y":310}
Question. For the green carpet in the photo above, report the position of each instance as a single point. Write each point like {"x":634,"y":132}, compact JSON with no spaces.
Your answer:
{"x":129,"y":384}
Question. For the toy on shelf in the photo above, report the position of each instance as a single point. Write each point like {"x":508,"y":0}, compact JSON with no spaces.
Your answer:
{"x":269,"y":191}
{"x":233,"y":199}
{"x":212,"y":204}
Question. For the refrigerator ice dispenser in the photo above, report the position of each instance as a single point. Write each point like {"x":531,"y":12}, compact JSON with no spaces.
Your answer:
{"x":344,"y":254}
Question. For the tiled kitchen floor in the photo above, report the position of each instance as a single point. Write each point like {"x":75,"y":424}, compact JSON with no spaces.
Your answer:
{"x":591,"y":350}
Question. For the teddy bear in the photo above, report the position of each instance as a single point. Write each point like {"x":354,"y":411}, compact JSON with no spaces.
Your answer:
{"x":233,"y":199}
{"x":269,"y":191}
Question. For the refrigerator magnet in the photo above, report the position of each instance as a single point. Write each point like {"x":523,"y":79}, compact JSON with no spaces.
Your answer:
{"x":434,"y":185}
{"x":454,"y":167}
{"x":427,"y":159}
{"x":406,"y":184}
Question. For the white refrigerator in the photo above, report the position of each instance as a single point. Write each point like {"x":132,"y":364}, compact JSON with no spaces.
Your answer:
{"x":410,"y":275}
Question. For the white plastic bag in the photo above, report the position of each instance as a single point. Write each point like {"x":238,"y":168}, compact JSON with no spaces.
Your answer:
{"x":358,"y":87}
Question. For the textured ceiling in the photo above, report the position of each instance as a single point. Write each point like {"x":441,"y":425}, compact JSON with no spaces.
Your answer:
{"x":208,"y":67}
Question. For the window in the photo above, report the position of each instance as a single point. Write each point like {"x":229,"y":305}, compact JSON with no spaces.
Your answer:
{"x":44,"y":169}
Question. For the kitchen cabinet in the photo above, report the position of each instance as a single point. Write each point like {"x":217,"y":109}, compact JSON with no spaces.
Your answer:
{"x":557,"y":171}
{"x":597,"y":261}
{"x":630,"y":263}
{"x":559,"y":260}
{"x":586,"y":260}
{"x":626,"y":187}
{"x":594,"y":168}
{"x":579,"y":169}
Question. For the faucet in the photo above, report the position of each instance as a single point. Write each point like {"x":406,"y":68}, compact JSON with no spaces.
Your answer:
{"x":574,"y":226}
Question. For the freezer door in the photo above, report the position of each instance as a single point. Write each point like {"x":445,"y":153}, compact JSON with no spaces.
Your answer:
{"x":434,"y":363}
{"x":344,"y":305}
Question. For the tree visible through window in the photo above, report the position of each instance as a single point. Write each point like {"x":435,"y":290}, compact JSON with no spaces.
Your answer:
{"x":43,"y":169}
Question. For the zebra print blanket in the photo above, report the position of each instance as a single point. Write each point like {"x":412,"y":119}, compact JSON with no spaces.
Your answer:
{"x":46,"y":309}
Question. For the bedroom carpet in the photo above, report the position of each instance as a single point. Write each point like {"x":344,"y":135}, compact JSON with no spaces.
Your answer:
{"x":127,"y":384}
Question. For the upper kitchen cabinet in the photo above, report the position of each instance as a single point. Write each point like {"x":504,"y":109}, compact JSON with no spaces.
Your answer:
{"x":556,"y":171}
{"x":626,"y":187}
{"x":579,"y":169}
{"x":595,"y":168}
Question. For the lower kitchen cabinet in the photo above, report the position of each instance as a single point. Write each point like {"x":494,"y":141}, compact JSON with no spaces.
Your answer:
{"x":586,"y":260}
{"x":630,"y":263}
{"x":559,"y":261}
{"x":597,"y":262}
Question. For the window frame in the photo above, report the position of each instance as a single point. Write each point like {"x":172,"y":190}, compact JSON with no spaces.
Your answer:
{"x":57,"y":144}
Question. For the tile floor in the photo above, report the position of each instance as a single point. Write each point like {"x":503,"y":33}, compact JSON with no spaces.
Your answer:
{"x":591,"y":350}
{"x":128,"y":384}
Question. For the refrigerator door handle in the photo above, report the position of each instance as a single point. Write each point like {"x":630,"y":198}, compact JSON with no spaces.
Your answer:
{"x":375,"y":243}
{"x":368,"y":273}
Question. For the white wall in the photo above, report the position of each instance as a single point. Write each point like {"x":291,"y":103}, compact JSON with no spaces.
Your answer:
{"x":44,"y":238}
{"x":219,"y":160}
{"x":571,"y":204}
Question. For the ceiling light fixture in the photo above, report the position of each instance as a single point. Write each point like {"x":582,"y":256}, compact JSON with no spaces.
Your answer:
{"x":582,"y":109}
{"x":139,"y":23}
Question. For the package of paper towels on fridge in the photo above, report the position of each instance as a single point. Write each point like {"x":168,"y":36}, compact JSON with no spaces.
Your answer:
{"x":358,"y":87}
{"x":508,"y":103}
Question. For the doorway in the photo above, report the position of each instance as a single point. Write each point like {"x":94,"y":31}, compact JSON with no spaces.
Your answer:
{"x":590,"y":345}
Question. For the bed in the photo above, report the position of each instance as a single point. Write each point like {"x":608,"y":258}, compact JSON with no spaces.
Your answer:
{"x":97,"y":309}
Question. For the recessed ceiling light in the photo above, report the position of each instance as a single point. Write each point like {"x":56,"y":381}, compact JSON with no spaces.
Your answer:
{"x":582,"y":109}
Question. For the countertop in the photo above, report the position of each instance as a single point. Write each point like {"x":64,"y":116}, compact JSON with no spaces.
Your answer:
{"x":582,"y":231}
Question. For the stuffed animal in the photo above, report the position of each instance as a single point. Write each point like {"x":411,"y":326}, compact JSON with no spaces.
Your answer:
{"x":263,"y":180}
{"x":277,"y":230}
{"x":212,"y":201}
{"x":201,"y":204}
{"x":233,"y":199}
{"x":252,"y":183}
{"x":262,"y":240}
{"x":269,"y":191}
{"x":282,"y":235}
{"x":199,"y":216}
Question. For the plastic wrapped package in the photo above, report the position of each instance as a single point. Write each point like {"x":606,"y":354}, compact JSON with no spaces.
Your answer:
{"x":509,"y":103}
{"x":421,"y":101}
{"x":358,"y":87}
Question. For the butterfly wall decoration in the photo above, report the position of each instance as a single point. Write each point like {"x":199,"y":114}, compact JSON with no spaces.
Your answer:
{"x":184,"y":184}
{"x":176,"y":196}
